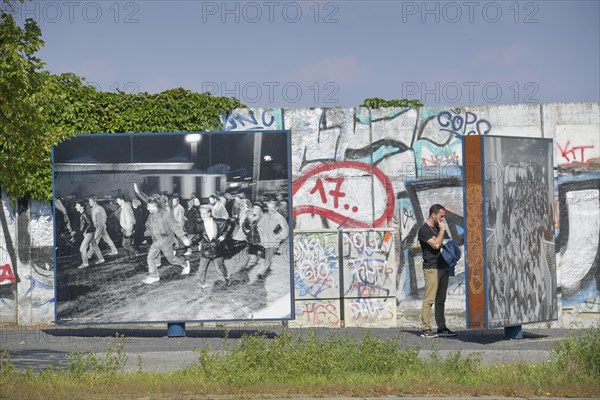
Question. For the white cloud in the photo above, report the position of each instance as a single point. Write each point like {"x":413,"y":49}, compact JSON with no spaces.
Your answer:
{"x":505,"y":55}
{"x":345,"y":69}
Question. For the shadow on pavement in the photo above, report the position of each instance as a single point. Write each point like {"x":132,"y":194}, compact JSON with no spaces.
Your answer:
{"x":158,"y":333}
{"x":486,"y":336}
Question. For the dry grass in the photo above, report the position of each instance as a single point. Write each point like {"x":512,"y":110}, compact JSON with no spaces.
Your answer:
{"x":289,"y":366}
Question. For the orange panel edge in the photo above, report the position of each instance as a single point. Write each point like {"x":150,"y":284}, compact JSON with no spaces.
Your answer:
{"x":473,"y":160}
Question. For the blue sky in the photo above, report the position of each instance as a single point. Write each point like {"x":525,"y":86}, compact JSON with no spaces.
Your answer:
{"x":331,"y":53}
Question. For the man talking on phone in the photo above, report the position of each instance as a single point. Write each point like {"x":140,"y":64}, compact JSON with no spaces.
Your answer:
{"x":431,"y":237}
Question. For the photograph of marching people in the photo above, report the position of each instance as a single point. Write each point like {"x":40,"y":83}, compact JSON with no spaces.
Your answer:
{"x":519,"y":200}
{"x":173,"y":227}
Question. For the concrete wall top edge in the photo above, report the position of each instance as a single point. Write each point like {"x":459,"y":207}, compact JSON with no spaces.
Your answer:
{"x":469,"y":106}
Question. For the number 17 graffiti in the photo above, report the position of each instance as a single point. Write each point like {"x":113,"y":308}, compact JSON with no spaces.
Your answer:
{"x":339,"y":206}
{"x":335,"y":193}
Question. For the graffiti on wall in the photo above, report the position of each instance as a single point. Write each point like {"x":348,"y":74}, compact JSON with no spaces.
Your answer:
{"x":260,"y":119}
{"x":577,"y":206}
{"x":7,"y":277}
{"x":369,"y":264}
{"x":26,"y":263}
{"x":324,"y":313}
{"x":37,"y":287}
{"x":576,"y":156}
{"x":347,"y":276}
{"x":379,"y":312}
{"x":442,"y":127}
{"x":578,"y":240}
{"x":8,"y":260}
{"x":316,"y":266}
{"x":573,"y":153}
{"x":455,"y":123}
{"x":336,"y":191}
{"x":419,"y":152}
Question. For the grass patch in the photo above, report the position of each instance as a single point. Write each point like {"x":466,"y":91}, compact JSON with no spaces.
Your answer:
{"x":580,"y":355}
{"x":293,"y":365}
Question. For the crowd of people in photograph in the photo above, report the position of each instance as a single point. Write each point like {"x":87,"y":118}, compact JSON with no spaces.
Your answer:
{"x":219,"y":228}
{"x":519,"y":253}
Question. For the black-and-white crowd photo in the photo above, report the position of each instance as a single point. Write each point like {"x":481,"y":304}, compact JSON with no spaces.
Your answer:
{"x":173,"y":227}
{"x":520,"y":262}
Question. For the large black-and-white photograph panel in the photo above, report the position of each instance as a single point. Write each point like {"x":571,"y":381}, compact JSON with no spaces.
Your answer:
{"x":173,"y":227}
{"x":520,"y":257}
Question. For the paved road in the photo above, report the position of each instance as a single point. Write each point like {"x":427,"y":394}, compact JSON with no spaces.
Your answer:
{"x":150,"y":347}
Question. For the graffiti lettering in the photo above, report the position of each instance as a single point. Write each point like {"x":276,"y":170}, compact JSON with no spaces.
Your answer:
{"x":231,"y":121}
{"x":336,"y":193}
{"x":361,"y":245}
{"x":318,"y":313}
{"x":575,"y":155}
{"x":459,"y":125}
{"x":406,"y":215}
{"x":6,"y":275}
{"x":44,"y":295}
{"x":440,"y":160}
{"x":372,"y":308}
{"x":348,"y":215}
{"x":369,"y":271}
{"x":316,"y":266}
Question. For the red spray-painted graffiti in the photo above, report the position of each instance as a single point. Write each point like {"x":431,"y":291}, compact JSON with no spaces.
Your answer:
{"x":6,"y":275}
{"x":329,"y":191}
{"x":318,"y":313}
{"x":573,"y":156}
{"x":442,"y":160}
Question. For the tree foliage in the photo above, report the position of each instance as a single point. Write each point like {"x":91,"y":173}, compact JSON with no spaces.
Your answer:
{"x":39,"y":110}
{"x":376,"y":102}
{"x":76,"y":107}
{"x":21,"y":102}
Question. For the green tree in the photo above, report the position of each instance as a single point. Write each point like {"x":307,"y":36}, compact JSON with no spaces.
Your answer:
{"x":73,"y":106}
{"x":376,"y":102}
{"x":22,"y":126}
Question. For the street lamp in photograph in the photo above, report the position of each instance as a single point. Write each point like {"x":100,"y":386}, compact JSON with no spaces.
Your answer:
{"x":193,"y":139}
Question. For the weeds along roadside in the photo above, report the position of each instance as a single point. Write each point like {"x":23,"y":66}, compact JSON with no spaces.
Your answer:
{"x":336,"y":365}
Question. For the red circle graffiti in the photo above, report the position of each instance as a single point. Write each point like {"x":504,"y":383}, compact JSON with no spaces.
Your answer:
{"x":340,"y":218}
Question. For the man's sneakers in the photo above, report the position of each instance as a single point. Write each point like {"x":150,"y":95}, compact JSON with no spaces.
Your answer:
{"x":427,"y":333}
{"x":186,"y":269}
{"x":445,"y":332}
{"x":82,"y":266}
{"x":150,"y":280}
{"x":100,"y":261}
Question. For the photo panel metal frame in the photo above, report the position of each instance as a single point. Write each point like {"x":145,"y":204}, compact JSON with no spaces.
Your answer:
{"x":250,"y":167}
{"x":509,"y":247}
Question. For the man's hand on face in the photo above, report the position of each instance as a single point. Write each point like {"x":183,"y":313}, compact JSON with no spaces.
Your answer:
{"x":441,"y":223}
